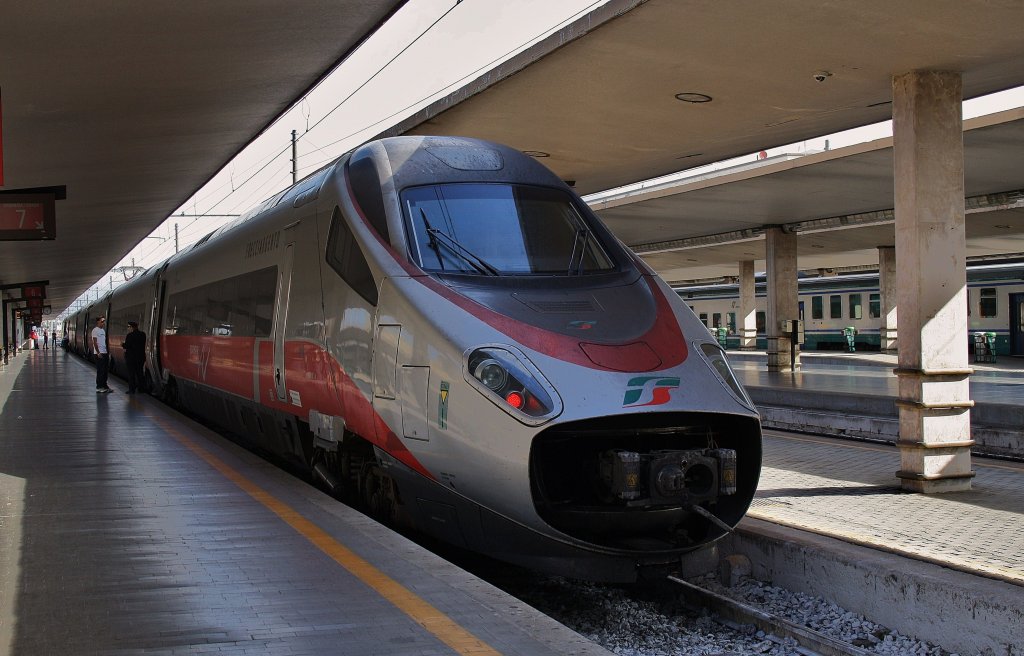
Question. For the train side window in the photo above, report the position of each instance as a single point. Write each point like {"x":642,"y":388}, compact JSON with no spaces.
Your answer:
{"x":856,"y":307}
{"x":704,"y":318}
{"x":366,"y":185}
{"x":987,"y":302}
{"x":344,"y":256}
{"x":817,"y":308}
{"x":716,"y":320}
{"x":732,"y":323}
{"x":835,"y":307}
{"x":762,"y":321}
{"x":874,"y":306}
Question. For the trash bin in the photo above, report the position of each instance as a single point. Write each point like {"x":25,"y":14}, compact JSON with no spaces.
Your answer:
{"x":721,"y":334}
{"x":982,"y":350}
{"x":850,"y":333}
{"x":990,"y":342}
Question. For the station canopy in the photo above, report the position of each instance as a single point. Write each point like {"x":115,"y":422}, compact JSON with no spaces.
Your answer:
{"x":635,"y":90}
{"x":132,"y":107}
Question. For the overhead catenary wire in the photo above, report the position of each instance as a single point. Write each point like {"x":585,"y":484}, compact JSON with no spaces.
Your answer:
{"x":254,"y":171}
{"x":347,"y":97}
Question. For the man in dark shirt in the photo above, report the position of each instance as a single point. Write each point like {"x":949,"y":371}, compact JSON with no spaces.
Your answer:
{"x":134,"y":356}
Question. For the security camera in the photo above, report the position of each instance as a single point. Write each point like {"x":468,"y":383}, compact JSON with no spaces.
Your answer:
{"x":821,"y":76}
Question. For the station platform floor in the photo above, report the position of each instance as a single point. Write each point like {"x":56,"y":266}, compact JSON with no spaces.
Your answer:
{"x":849,"y":490}
{"x":871,"y":374}
{"x":126,"y":528}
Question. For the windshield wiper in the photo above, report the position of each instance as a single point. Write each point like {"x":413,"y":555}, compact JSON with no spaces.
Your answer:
{"x":471,"y":258}
{"x":430,"y":238}
{"x":583,"y":251}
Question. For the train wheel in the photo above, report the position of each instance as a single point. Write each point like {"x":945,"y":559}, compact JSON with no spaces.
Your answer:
{"x":379,"y":493}
{"x":170,"y":396}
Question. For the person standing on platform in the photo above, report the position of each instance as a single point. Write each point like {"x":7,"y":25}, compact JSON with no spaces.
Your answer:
{"x":134,"y":356}
{"x":99,"y":349}
{"x":34,"y":336}
{"x":46,"y":339}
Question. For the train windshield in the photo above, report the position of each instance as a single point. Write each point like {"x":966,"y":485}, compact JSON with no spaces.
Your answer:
{"x":500,"y":229}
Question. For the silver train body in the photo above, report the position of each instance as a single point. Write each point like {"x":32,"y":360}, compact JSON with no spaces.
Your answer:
{"x":440,"y":328}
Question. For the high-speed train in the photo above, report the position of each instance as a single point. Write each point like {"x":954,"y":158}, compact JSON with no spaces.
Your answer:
{"x":440,"y":328}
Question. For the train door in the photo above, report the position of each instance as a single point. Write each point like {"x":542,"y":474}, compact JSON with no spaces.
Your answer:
{"x":1016,"y":324}
{"x":156,"y":322}
{"x":284,"y":285}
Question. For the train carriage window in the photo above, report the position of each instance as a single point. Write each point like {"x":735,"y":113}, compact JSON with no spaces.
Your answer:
{"x":732,"y":323}
{"x":345,"y":257}
{"x":874,"y":306}
{"x":716,"y":320}
{"x":817,"y":309}
{"x":856,"y":308}
{"x":987,"y":306}
{"x":239,"y":306}
{"x":835,"y":307}
{"x":762,"y":322}
{"x":704,"y":318}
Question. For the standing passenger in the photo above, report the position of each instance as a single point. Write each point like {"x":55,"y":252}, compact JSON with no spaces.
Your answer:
{"x":99,"y":348}
{"x":134,"y":355}
{"x":46,"y":339}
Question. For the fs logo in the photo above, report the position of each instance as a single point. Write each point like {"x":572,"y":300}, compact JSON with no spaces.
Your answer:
{"x":649,"y":390}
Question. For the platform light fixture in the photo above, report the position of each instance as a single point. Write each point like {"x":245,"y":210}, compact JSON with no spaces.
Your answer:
{"x":692,"y":97}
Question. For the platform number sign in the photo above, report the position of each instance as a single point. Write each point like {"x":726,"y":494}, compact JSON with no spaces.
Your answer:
{"x":27,"y":217}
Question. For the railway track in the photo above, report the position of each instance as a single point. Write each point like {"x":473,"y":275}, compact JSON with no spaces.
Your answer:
{"x":810,"y":642}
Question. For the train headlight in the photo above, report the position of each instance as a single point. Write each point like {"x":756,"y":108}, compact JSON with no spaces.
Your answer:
{"x":491,"y":373}
{"x":506,"y":377}
{"x":715,"y":358}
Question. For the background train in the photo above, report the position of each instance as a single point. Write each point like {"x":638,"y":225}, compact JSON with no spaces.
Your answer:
{"x":995,"y":303}
{"x":441,"y":328}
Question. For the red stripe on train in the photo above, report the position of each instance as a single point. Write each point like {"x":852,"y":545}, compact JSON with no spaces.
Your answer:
{"x":317,"y":379}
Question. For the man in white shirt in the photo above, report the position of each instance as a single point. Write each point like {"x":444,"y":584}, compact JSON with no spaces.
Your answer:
{"x":99,"y":349}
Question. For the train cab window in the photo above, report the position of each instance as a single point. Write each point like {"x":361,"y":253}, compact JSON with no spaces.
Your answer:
{"x":500,"y":229}
{"x":987,"y":306}
{"x":345,"y":257}
{"x":762,"y":321}
{"x":874,"y":306}
{"x":856,"y":307}
{"x":817,"y":309}
{"x":704,"y":318}
{"x":835,"y":307}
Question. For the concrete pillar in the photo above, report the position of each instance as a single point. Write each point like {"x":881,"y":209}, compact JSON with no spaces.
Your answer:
{"x":780,"y":249}
{"x":746,"y":322}
{"x":887,"y":301}
{"x":931,"y":289}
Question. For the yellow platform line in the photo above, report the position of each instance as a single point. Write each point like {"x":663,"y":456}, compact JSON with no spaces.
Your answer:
{"x":419,"y":610}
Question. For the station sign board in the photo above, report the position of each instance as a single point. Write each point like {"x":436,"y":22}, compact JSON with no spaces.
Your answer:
{"x":27,"y":216}
{"x":33,"y":291}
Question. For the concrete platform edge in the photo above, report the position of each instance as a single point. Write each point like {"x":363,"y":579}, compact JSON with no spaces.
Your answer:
{"x":850,"y":415}
{"x":960,"y":612}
